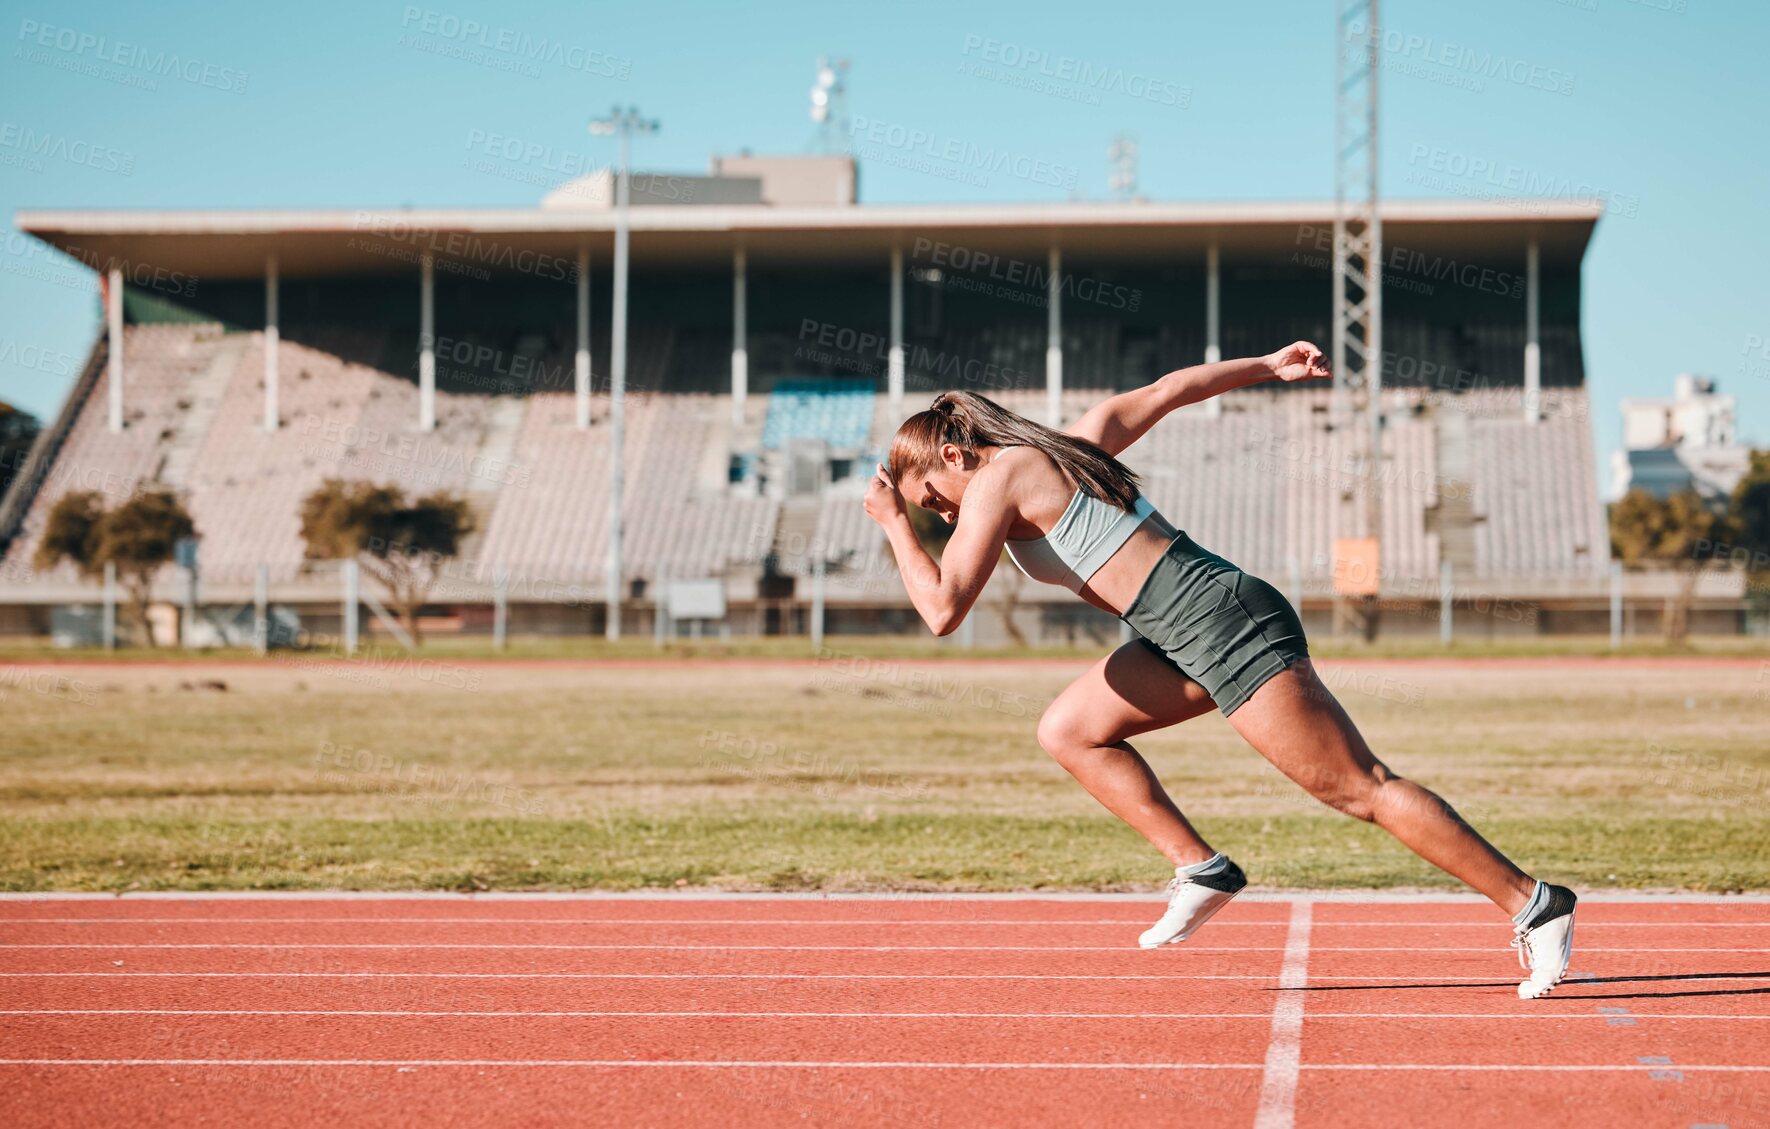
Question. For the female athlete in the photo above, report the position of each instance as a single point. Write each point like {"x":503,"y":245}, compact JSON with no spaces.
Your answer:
{"x":1211,"y":636}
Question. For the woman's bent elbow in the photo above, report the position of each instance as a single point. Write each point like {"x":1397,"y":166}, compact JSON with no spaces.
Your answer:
{"x":945,"y":623}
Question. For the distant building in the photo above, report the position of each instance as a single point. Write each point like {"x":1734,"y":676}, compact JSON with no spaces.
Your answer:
{"x":1687,"y":441}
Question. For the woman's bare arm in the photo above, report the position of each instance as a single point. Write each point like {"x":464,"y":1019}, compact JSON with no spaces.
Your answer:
{"x":943,"y":592}
{"x":1116,"y":423}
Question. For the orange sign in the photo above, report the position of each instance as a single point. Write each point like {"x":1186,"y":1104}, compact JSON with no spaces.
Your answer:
{"x":1356,"y":566}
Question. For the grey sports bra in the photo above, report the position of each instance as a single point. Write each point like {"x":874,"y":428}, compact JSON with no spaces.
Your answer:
{"x":1085,"y":537}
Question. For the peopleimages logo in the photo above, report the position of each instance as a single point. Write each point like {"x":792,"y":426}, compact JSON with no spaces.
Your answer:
{"x":102,"y":49}
{"x":1079,"y":74}
{"x":518,"y":45}
{"x":959,"y":152}
{"x":75,"y":151}
{"x":1034,"y":277}
{"x":1475,"y":62}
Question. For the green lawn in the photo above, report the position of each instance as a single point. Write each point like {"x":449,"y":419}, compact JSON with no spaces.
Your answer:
{"x":840,"y":774}
{"x":921,"y":646}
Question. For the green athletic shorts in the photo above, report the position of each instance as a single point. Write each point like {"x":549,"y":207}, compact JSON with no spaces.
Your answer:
{"x":1222,"y":628}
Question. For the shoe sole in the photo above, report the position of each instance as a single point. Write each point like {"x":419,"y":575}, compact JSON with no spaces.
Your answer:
{"x":1567,"y":960}
{"x":1199,"y":924}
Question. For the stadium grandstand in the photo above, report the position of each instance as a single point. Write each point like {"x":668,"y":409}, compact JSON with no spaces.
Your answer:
{"x":778,"y":331}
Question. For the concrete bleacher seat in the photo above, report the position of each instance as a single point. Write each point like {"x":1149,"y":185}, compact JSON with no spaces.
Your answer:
{"x":538,"y":484}
{"x":1535,"y":487}
{"x":1266,"y":481}
{"x":551,"y":528}
{"x":840,"y":412}
{"x":164,"y":359}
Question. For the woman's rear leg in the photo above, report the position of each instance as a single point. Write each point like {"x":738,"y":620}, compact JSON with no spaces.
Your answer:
{"x":1296,"y":723}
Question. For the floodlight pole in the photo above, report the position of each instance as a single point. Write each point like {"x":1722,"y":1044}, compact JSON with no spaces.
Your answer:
{"x":1357,"y":342}
{"x":622,"y":124}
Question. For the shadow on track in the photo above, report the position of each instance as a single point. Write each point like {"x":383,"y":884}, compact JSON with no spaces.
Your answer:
{"x":1573,"y":982}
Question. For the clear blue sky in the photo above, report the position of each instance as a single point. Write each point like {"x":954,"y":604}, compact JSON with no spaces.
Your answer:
{"x":1665,"y":109}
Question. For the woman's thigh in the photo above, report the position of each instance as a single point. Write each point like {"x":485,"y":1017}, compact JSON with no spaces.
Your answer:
{"x":1133,"y":690}
{"x":1295,"y":722}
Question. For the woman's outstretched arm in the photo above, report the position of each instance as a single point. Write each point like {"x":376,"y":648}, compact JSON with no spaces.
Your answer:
{"x":1115,"y":424}
{"x":943,"y":591}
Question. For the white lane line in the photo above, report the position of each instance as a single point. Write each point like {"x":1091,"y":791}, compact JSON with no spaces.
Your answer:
{"x":1508,"y":1068}
{"x":1372,"y":982}
{"x":907,"y":897}
{"x":712,"y":948}
{"x":1489,"y":924}
{"x":841,"y":1065}
{"x":594,"y":1062}
{"x":1278,"y":1085}
{"x":459,"y":1014}
{"x":870,"y":922}
{"x":861,"y":921}
{"x":474,"y":945}
{"x":177,"y":1011}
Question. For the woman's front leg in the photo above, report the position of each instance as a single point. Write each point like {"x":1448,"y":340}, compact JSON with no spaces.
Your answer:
{"x":1294,"y":721}
{"x":1086,"y":729}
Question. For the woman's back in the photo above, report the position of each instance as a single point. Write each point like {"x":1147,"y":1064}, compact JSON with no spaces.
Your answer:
{"x":1065,"y":537}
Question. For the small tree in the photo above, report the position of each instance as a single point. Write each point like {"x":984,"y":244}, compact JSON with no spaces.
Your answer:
{"x":1751,"y":520}
{"x":18,"y":430}
{"x":402,"y":545}
{"x":1682,"y":532}
{"x":139,"y":537}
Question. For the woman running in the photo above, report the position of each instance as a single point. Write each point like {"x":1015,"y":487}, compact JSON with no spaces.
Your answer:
{"x":1070,"y":513}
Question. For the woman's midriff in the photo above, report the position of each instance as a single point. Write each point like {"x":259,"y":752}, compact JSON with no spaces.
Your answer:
{"x":1120,"y":579}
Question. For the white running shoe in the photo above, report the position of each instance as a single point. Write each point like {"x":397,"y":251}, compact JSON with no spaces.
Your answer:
{"x":1191,"y":902}
{"x":1545,"y":945}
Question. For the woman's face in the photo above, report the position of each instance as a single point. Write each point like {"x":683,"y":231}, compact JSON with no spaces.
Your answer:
{"x":942,"y":488}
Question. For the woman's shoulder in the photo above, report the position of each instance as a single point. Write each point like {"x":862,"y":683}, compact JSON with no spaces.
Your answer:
{"x":1031,"y":478}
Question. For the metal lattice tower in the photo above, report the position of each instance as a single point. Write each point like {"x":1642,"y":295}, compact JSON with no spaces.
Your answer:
{"x":1123,"y":155}
{"x":829,"y":106}
{"x":1358,"y":294}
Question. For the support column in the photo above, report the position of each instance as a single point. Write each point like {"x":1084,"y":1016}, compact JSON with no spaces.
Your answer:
{"x":1446,"y":605}
{"x":261,"y":610}
{"x":1213,"y":305}
{"x":108,"y":625}
{"x":113,"y":313}
{"x":582,"y":378}
{"x":352,"y":604}
{"x":1054,"y":339}
{"x":500,"y":608}
{"x":740,"y":340}
{"x":1213,"y":320}
{"x":613,"y":574}
{"x":427,"y":346}
{"x":1616,"y":605}
{"x":817,"y":604}
{"x":1533,"y":352}
{"x":894,"y":359}
{"x":272,"y":339}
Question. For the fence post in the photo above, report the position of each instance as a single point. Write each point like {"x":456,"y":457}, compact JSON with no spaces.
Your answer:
{"x":1446,"y":606}
{"x":109,"y":625}
{"x":660,"y":613}
{"x":500,"y":609}
{"x":351,"y":596}
{"x":261,"y":610}
{"x":1616,"y":604}
{"x":187,"y":623}
{"x":817,"y":603}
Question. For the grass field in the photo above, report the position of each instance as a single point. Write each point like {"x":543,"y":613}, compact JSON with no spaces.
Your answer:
{"x":843,"y":773}
{"x":917,"y":646}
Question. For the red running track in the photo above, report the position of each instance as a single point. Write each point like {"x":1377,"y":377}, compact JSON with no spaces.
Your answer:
{"x":307,"y":1011}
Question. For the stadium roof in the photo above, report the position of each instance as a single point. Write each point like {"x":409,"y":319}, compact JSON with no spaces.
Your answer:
{"x":234,"y":243}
